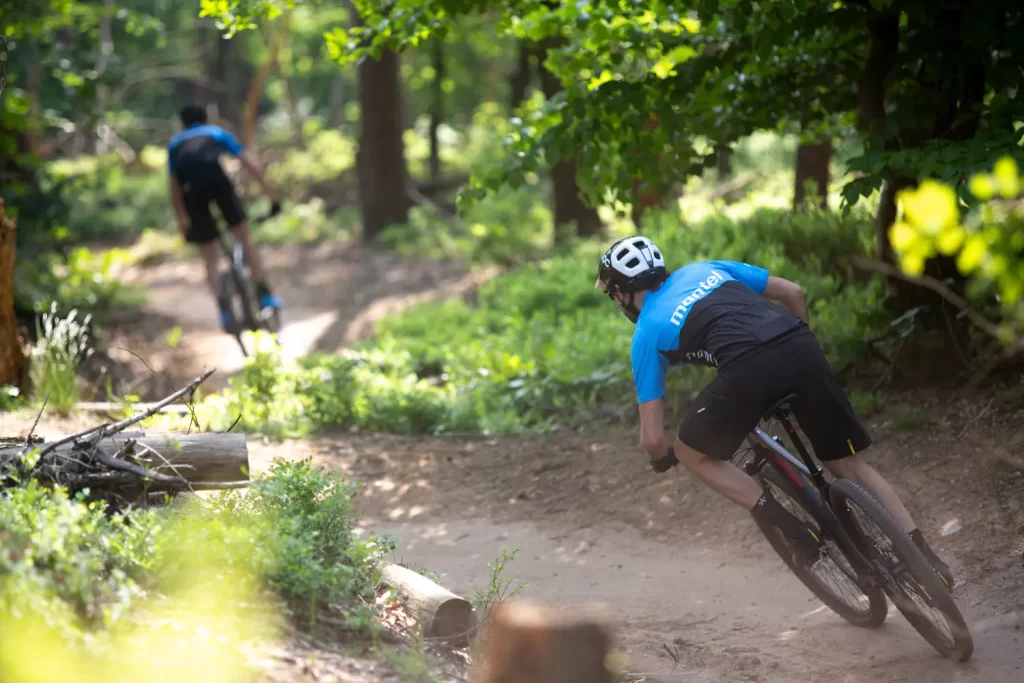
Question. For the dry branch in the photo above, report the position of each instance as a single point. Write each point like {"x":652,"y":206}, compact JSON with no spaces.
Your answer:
{"x":937,"y":286}
{"x":123,"y":466}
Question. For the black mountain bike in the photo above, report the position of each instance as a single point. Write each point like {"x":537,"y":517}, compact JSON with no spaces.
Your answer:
{"x":864,"y":555}
{"x":237,"y":284}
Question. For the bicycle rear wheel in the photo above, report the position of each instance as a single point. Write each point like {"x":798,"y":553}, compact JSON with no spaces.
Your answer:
{"x":832,"y":577}
{"x":906,"y":575}
{"x":228,"y":289}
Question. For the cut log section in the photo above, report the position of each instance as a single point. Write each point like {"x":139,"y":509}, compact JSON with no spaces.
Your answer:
{"x":530,"y":643}
{"x":196,"y":458}
{"x":442,"y":614}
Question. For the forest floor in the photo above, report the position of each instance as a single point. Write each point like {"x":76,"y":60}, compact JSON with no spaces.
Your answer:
{"x":698,"y":594}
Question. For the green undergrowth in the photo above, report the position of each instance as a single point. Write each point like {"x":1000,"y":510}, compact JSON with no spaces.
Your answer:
{"x":109,"y":596}
{"x":541,"y":347}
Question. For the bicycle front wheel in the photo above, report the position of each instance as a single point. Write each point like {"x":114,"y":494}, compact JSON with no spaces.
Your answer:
{"x":906,"y":575}
{"x":832,"y":577}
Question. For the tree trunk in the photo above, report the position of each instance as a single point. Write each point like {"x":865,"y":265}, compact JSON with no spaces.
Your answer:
{"x":535,"y":644}
{"x":256,"y":85}
{"x":441,"y":613}
{"x":207,"y":458}
{"x":569,"y":208}
{"x":231,"y":97}
{"x":519,"y":81}
{"x":436,"y":107}
{"x":12,"y":360}
{"x":812,"y":166}
{"x":336,"y":102}
{"x":644,"y":198}
{"x":380,"y":160}
{"x":723,"y":164}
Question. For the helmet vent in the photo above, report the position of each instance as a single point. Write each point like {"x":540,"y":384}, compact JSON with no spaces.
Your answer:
{"x":633,"y":262}
{"x":622,"y":254}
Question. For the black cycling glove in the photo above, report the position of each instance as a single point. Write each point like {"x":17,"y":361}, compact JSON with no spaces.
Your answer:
{"x":665,"y":463}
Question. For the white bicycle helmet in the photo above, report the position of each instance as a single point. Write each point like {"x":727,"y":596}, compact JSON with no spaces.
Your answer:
{"x":631,"y":265}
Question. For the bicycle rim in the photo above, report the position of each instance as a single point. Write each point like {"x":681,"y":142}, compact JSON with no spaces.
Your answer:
{"x":906,"y":575}
{"x":832,"y":577}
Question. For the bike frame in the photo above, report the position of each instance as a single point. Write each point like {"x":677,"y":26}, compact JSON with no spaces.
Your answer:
{"x":768,"y":451}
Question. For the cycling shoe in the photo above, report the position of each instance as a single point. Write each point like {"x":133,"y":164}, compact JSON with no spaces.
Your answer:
{"x":805,"y":543}
{"x":270,"y":301}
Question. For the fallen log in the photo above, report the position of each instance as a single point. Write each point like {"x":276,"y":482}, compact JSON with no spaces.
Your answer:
{"x":530,"y":643}
{"x":124,"y":467}
{"x":208,"y":458}
{"x":442,"y":614}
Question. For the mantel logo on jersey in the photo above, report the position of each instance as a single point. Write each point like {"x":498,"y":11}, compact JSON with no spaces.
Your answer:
{"x":703,"y":289}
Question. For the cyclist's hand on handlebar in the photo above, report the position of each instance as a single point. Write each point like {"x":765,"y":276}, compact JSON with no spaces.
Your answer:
{"x":666,"y":462}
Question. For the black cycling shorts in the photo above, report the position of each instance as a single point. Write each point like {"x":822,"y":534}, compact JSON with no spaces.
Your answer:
{"x":729,"y":408}
{"x":202,"y":190}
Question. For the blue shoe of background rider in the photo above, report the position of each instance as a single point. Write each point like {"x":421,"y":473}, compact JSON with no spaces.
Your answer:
{"x":228,"y":323}
{"x":270,"y":301}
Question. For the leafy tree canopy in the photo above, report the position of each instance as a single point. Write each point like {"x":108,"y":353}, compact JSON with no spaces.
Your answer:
{"x":931,"y":85}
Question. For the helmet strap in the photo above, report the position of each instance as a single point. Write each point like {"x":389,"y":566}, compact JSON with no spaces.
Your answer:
{"x":629,"y":309}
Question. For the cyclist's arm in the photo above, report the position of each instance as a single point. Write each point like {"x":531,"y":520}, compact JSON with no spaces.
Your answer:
{"x":178,"y":201}
{"x":652,"y":427}
{"x":787,"y":293}
{"x":253,"y":168}
{"x":649,"y":368}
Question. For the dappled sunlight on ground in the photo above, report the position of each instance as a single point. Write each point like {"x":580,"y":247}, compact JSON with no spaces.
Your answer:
{"x":333,"y":292}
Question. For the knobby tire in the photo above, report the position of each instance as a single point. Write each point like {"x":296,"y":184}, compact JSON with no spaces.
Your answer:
{"x":960,"y":646}
{"x":875,"y":607}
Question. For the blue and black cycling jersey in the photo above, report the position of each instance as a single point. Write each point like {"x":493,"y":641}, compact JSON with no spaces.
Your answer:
{"x":705,"y":313}
{"x":194,"y":153}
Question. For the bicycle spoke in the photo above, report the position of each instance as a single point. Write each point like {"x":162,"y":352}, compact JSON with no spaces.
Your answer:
{"x":832,"y":570}
{"x":898,"y":575}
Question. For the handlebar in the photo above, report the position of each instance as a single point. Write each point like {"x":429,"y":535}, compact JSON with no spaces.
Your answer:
{"x":275,"y":209}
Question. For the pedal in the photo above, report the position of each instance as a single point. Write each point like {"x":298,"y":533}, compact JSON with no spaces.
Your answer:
{"x":752,"y":466}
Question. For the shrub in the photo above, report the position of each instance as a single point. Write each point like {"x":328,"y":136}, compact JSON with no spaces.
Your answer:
{"x":89,"y":596}
{"x":542,"y":346}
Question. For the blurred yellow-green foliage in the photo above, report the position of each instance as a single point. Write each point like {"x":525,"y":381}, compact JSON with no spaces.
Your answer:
{"x":176,"y":595}
{"x":987,"y":240}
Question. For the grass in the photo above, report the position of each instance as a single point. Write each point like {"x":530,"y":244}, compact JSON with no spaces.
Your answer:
{"x":61,"y":345}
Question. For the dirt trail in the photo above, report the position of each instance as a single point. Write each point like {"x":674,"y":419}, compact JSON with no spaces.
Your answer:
{"x":333,"y":293}
{"x":698,"y":593}
{"x":686,"y":575}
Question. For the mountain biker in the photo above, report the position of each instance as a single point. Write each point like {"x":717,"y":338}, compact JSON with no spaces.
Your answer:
{"x":197,"y":179}
{"x":718,"y":314}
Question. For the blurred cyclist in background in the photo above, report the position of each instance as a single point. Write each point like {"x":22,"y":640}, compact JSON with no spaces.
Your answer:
{"x":197,"y":180}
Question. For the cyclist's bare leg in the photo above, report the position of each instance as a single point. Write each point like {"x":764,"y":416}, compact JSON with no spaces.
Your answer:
{"x":252,"y":254}
{"x":720,"y":476}
{"x":211,"y":259}
{"x":853,"y":467}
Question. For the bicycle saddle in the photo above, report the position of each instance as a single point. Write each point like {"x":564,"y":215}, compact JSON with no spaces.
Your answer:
{"x":780,"y":408}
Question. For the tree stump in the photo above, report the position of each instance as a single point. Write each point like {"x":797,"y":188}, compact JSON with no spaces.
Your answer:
{"x":529,"y":643}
